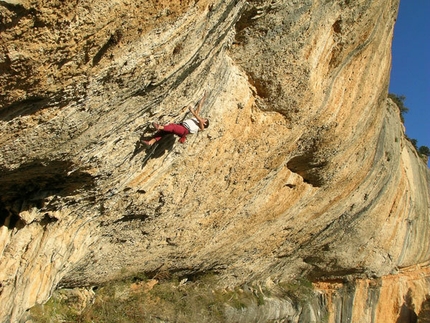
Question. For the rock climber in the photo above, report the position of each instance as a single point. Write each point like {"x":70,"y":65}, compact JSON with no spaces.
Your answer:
{"x":182,"y":129}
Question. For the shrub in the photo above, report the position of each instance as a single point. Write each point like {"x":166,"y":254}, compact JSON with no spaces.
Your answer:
{"x":137,"y":299}
{"x":399,"y":100}
{"x":424,"y":151}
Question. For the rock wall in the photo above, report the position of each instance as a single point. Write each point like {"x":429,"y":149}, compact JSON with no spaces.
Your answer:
{"x":403,"y":297}
{"x":304,"y":170}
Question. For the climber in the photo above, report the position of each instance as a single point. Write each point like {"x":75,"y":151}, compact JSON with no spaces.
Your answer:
{"x":188,"y":126}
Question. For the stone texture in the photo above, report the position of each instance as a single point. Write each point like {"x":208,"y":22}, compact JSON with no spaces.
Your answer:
{"x":304,"y":171}
{"x":402,"y":297}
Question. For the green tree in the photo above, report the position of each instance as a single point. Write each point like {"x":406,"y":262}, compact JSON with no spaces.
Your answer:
{"x":399,"y":100}
{"x":414,"y":143}
{"x":424,"y":151}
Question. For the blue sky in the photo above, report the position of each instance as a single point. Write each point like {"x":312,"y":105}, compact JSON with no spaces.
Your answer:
{"x":410,"y":72}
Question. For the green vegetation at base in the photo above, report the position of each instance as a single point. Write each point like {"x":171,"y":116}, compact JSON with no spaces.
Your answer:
{"x":300,"y":291}
{"x":171,"y":299}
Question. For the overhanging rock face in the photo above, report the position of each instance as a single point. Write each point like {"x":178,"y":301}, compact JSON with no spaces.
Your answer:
{"x":304,"y":169}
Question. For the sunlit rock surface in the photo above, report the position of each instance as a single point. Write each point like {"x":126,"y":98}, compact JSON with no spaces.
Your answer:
{"x":304,"y":170}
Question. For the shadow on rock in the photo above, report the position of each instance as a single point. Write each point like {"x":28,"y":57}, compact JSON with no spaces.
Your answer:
{"x":157,"y":150}
{"x":407,"y":311}
{"x":424,"y":315}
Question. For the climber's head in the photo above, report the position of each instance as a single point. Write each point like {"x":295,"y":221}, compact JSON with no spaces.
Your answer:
{"x":206,"y":123}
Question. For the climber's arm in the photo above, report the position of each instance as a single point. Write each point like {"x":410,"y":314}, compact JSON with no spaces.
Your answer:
{"x":200,"y":104}
{"x":196,"y":113}
{"x":198,"y":117}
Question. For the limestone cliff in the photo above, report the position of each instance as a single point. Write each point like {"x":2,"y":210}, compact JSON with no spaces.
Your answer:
{"x":304,"y":171}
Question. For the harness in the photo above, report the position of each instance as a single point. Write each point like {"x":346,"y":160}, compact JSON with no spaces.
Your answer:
{"x":186,"y":126}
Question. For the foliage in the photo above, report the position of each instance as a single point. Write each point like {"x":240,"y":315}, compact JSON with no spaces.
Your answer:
{"x":399,"y":100}
{"x":300,"y":290}
{"x":55,"y":310}
{"x":424,"y":151}
{"x":137,"y":299}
